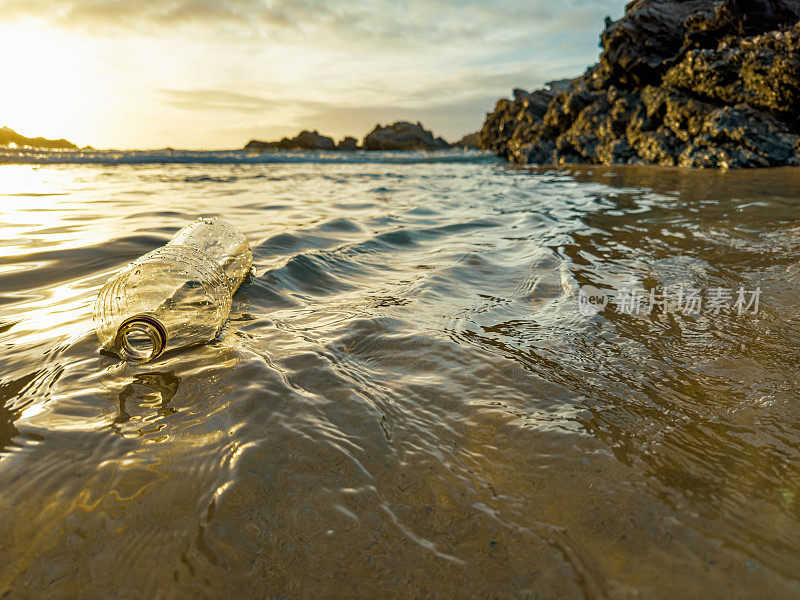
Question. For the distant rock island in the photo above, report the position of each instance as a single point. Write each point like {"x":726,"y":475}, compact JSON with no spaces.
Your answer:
{"x":305,"y":140}
{"x":690,"y":83}
{"x":9,"y":136}
{"x":403,"y":136}
{"x":470,"y":140}
{"x":400,"y":135}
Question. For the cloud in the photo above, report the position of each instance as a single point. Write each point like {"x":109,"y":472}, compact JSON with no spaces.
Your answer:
{"x":336,"y":118}
{"x":388,"y":21}
{"x":216,"y":100}
{"x":452,"y":105}
{"x":100,"y":15}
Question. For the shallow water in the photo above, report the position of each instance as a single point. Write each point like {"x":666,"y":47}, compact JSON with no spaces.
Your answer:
{"x":407,"y":400}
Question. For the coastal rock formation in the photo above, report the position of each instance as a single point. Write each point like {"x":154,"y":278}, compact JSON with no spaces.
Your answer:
{"x":9,"y":136}
{"x":470,"y":140}
{"x":305,"y":140}
{"x":403,"y":135}
{"x":397,"y":136}
{"x":348,"y":144}
{"x":695,"y":83}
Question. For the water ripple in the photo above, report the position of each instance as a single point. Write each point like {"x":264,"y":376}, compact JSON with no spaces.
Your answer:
{"x":406,"y":400}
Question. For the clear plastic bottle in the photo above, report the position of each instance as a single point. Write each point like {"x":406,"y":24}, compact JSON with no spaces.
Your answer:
{"x":175,"y":296}
{"x":222,"y":242}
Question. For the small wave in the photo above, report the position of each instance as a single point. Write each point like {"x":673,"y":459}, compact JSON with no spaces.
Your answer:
{"x":226,"y":157}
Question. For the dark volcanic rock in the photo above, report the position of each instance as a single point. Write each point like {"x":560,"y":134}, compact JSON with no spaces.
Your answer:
{"x":403,"y":135}
{"x":305,"y":140}
{"x":681,"y":83}
{"x":654,"y":34}
{"x":763,"y":71}
{"x":9,"y":136}
{"x":470,"y":140}
{"x":348,"y":144}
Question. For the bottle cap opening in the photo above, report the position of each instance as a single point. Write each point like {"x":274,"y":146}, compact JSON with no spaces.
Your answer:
{"x":140,"y":338}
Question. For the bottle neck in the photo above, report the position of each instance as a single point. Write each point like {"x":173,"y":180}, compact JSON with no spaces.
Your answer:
{"x":140,"y":338}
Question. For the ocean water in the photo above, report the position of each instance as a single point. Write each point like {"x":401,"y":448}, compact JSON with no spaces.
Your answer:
{"x":409,"y":400}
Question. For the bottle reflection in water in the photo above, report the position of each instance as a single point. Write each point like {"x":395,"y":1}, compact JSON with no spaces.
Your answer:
{"x":178,"y":295}
{"x":152,"y":392}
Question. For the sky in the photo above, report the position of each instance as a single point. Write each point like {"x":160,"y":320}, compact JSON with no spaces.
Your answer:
{"x":216,"y":73}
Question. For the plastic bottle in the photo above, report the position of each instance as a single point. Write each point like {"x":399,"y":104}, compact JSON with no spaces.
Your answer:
{"x":175,"y":296}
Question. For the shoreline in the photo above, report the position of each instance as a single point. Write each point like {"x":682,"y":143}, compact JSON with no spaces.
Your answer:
{"x":238,"y":156}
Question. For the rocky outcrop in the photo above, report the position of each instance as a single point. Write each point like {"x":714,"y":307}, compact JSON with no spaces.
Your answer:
{"x":347,"y":144}
{"x":305,"y":140}
{"x":469,"y":141}
{"x":397,"y":136}
{"x":9,"y":136}
{"x":403,"y":135}
{"x":693,"y":83}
